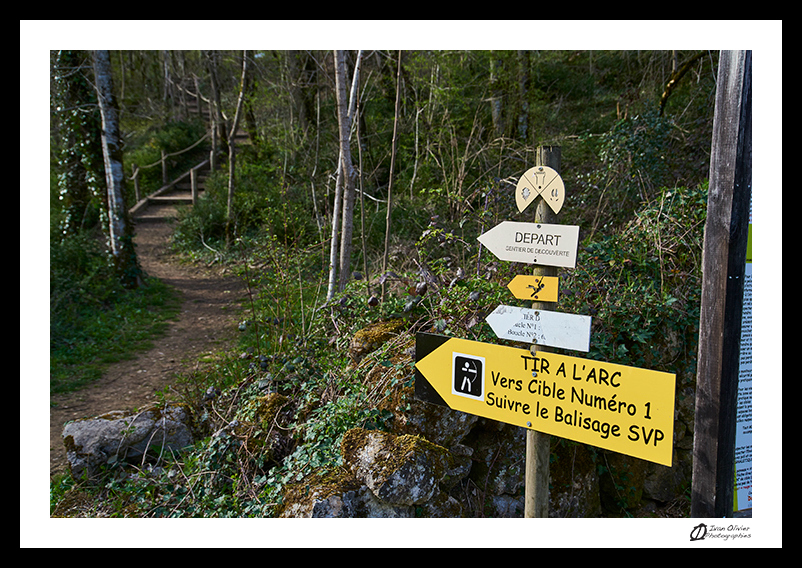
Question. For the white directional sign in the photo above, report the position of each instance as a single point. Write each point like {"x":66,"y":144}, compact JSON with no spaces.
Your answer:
{"x":533,"y":243}
{"x":542,"y":327}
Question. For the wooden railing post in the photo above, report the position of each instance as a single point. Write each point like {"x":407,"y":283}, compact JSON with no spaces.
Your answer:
{"x":135,"y":176}
{"x":193,"y":177}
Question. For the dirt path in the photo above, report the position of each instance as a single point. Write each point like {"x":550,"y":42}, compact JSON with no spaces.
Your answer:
{"x":207,"y":322}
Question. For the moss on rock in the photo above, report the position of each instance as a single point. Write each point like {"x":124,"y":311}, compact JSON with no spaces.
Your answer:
{"x":374,"y":336}
{"x":401,"y":470}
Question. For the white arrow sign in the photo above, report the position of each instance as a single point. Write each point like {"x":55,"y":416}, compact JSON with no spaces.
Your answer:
{"x":533,"y":243}
{"x":542,"y":327}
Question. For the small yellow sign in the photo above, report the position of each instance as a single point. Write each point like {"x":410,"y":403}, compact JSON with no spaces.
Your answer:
{"x":619,"y":408}
{"x":538,"y":288}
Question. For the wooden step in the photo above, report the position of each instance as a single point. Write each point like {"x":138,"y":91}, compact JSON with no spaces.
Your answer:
{"x":156,"y":214}
{"x":170,"y":200}
{"x":161,"y":204}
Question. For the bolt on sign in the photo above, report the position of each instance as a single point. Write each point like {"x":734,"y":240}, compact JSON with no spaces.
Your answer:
{"x":533,"y":243}
{"x":615,"y":407}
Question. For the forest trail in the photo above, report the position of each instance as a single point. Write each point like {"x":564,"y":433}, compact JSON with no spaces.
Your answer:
{"x":207,"y":323}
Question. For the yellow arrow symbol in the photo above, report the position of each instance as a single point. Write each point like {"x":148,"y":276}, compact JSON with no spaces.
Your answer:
{"x":539,"y":288}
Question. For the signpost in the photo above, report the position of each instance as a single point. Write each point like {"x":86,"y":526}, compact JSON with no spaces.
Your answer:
{"x":615,"y":407}
{"x":723,"y":270}
{"x":533,"y":243}
{"x":538,"y":444}
{"x":619,"y":408}
{"x":539,"y":288}
{"x":541,"y":327}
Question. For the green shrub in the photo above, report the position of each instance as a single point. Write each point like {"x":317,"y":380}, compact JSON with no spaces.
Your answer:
{"x":642,"y":285}
{"x":144,"y":148}
{"x":263,"y":204}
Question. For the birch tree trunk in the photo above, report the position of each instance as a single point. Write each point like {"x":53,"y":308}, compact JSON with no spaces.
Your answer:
{"x":344,"y":190}
{"x":232,"y":155}
{"x":349,"y":197}
{"x":392,"y":169}
{"x":121,"y":244}
{"x":496,"y":96}
{"x":339,"y":80}
{"x":219,"y":139}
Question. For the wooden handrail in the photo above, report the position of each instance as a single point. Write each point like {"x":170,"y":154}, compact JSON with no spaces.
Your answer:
{"x":142,"y":203}
{"x":160,"y":160}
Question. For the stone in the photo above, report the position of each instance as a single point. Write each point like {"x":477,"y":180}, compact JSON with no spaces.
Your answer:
{"x":118,"y":436}
{"x":399,"y":470}
{"x":257,"y":427}
{"x":439,"y":424}
{"x":499,"y":460}
{"x":663,"y":483}
{"x":621,"y":484}
{"x":337,"y":495}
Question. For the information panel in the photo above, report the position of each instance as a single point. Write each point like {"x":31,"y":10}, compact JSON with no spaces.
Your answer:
{"x":743,"y":430}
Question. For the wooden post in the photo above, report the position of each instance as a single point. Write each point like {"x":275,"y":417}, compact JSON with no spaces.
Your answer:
{"x":538,"y":444}
{"x":723,"y":268}
{"x":135,"y":174}
{"x":193,"y":182}
{"x":164,"y":169}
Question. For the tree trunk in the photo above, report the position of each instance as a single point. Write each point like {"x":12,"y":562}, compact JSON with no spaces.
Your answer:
{"x":80,"y":155}
{"x":392,"y":167}
{"x":523,"y":89}
{"x":497,"y":95}
{"x":217,"y":112}
{"x":349,"y":196}
{"x":344,"y":196}
{"x":676,"y":75}
{"x":232,"y":151}
{"x":121,"y":242}
{"x":339,"y":79}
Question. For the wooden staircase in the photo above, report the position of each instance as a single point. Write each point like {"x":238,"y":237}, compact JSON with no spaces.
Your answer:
{"x":162,"y":205}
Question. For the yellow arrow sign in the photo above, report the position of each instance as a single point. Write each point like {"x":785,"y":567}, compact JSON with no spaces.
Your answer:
{"x":540,"y":288}
{"x":619,"y":408}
